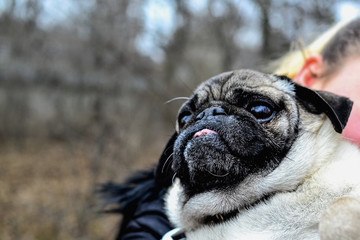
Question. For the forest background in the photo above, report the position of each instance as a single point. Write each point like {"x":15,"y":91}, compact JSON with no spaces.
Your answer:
{"x":84,"y":86}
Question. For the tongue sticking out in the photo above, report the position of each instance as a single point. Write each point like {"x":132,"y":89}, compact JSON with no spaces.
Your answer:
{"x":204,"y":132}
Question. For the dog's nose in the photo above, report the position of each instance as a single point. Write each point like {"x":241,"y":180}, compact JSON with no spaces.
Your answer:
{"x":211,"y":112}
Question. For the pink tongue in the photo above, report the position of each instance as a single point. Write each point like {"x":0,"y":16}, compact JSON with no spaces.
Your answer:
{"x":204,"y":132}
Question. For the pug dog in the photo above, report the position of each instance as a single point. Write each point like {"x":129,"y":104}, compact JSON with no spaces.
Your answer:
{"x":257,"y":156}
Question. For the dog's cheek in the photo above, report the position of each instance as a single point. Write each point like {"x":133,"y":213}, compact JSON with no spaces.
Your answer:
{"x":284,"y":128}
{"x":178,"y":152}
{"x":244,"y":137}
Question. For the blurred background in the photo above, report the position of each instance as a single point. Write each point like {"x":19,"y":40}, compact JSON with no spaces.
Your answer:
{"x":83,"y":87}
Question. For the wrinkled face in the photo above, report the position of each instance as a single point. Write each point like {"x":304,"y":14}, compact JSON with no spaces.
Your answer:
{"x":235,"y":125}
{"x":244,"y":137}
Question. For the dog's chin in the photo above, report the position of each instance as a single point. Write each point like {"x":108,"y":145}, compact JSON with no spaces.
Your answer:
{"x":207,"y":162}
{"x":210,"y":163}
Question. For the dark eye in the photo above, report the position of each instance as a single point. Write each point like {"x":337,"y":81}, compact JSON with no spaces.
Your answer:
{"x":262,"y":112}
{"x":184,"y":118}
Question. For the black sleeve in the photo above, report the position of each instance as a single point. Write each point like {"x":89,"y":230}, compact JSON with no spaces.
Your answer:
{"x":148,"y":221}
{"x":140,"y":200}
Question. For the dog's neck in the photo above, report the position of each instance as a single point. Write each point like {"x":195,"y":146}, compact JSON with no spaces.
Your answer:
{"x":224,"y":217}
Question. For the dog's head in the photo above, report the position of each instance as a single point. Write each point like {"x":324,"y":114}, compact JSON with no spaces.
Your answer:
{"x":242,"y":137}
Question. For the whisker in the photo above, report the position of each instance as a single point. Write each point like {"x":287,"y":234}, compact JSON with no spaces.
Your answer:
{"x":173,"y":178}
{"x":168,"y":148}
{"x":177,"y":98}
{"x":166,"y":162}
{"x":216,"y":175}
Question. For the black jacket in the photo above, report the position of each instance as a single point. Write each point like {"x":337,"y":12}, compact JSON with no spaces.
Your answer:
{"x":147,"y":222}
{"x":140,"y":200}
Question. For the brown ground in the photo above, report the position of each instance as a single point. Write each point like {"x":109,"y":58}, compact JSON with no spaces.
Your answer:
{"x":46,"y":192}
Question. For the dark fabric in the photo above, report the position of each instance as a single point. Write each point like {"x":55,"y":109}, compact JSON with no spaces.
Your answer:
{"x":140,"y":199}
{"x":148,"y":221}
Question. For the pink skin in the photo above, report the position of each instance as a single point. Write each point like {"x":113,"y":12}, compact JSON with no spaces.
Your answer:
{"x":204,"y":132}
{"x":345,"y":81}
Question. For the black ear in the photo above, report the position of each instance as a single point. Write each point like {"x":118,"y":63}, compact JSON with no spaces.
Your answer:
{"x":163,"y":171}
{"x":336,"y":107}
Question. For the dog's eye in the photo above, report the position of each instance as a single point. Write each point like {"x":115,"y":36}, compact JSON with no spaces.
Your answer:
{"x":184,"y":118}
{"x":262,"y":112}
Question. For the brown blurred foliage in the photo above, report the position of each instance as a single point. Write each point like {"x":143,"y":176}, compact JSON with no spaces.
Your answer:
{"x":81,"y":103}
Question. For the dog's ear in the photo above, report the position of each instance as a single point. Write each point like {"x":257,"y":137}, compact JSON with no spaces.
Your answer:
{"x":336,"y":107}
{"x":163,"y":171}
